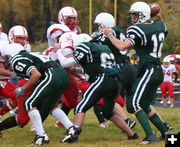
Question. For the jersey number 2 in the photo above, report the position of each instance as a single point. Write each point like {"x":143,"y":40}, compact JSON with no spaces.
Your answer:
{"x":157,"y":44}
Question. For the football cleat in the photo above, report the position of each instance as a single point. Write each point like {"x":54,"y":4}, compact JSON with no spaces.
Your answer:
{"x":72,"y":134}
{"x":13,"y":112}
{"x":134,"y":137}
{"x":168,"y":126}
{"x":40,"y":140}
{"x":131,"y":123}
{"x":172,"y":106}
{"x":150,"y":139}
{"x":105,"y":124}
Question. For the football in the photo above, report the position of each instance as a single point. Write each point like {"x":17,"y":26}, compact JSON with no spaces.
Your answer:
{"x":155,"y":9}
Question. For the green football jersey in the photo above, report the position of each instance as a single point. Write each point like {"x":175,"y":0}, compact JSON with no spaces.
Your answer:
{"x":95,"y":58}
{"x":23,"y":63}
{"x":119,"y":34}
{"x":147,"y":39}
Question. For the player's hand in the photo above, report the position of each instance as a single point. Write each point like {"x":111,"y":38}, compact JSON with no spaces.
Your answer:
{"x":106,"y":31}
{"x":14,"y":78}
{"x":19,"y":91}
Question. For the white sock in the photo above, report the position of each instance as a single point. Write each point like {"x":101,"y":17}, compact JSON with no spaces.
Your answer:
{"x":36,"y":120}
{"x":62,"y":117}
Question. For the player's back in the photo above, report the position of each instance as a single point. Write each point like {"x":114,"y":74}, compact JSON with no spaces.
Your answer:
{"x":96,"y":57}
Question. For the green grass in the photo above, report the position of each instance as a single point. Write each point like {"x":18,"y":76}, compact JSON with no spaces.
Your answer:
{"x":91,"y":136}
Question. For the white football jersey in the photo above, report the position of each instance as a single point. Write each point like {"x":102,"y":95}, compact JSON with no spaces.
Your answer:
{"x":27,"y":47}
{"x":3,"y":36}
{"x":51,"y":54}
{"x":3,"y":45}
{"x":168,"y":72}
{"x":54,"y":32}
{"x":68,"y":41}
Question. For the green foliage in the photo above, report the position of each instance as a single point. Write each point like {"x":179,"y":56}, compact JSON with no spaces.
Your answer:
{"x":35,"y":15}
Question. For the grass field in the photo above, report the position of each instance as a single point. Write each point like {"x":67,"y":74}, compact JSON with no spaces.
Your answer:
{"x":91,"y":136}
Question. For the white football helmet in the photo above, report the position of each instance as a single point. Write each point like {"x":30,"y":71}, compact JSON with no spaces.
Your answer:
{"x":83,"y":37}
{"x":105,"y":19}
{"x":139,"y":12}
{"x":18,"y":32}
{"x":11,"y":50}
{"x":166,"y":62}
{"x":68,"y":16}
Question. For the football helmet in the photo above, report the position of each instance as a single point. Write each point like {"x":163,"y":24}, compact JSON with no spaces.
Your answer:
{"x":139,"y":12}
{"x":68,"y":16}
{"x":166,"y":62}
{"x":83,"y":37}
{"x":18,"y":34}
{"x":11,"y":50}
{"x":105,"y":19}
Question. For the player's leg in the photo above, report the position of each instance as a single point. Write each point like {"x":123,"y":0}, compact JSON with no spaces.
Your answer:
{"x":120,"y":112}
{"x":139,"y":89}
{"x":164,"y":90}
{"x":171,"y":94}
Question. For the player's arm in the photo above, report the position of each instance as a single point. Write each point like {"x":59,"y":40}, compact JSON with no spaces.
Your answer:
{"x":120,"y":45}
{"x":64,"y":61}
{"x":35,"y":75}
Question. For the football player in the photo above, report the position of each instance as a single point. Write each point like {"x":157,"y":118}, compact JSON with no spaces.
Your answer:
{"x":70,"y":95}
{"x":121,"y":58}
{"x":43,"y":74}
{"x":98,"y":63}
{"x":18,"y":34}
{"x":54,"y":32}
{"x":146,"y":37}
{"x":69,"y":17}
{"x":6,"y":86}
{"x":167,"y":86}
